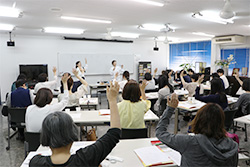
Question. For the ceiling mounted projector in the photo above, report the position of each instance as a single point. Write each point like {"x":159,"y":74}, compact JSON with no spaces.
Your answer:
{"x":227,"y":12}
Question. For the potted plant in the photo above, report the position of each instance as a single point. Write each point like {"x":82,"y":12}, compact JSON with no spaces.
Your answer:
{"x":186,"y":66}
{"x":224,"y":64}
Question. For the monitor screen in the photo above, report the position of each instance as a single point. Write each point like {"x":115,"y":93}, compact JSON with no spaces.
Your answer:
{"x":32,"y":71}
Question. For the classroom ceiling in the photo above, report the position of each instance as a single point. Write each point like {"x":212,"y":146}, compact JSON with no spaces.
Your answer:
{"x":126,"y":16}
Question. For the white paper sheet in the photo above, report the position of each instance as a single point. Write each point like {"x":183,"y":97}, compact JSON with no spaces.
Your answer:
{"x":104,"y":112}
{"x":146,"y":157}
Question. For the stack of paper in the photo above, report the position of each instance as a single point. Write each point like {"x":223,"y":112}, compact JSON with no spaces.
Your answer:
{"x":152,"y":156}
{"x":104,"y":112}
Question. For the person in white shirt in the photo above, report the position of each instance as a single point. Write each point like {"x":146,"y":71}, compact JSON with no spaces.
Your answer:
{"x":44,"y":83}
{"x":150,"y":80}
{"x":81,"y":90}
{"x":223,"y":77}
{"x":36,"y":113}
{"x":125,"y":79}
{"x":116,"y":70}
{"x":81,"y":70}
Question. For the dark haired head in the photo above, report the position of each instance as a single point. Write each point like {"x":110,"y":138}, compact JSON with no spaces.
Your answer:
{"x":209,"y":121}
{"x":191,"y":70}
{"x":195,"y":77}
{"x":220,"y":71}
{"x":148,"y":76}
{"x":77,"y":63}
{"x":163,"y":81}
{"x":184,"y":72}
{"x":21,"y":76}
{"x":42,"y":77}
{"x":113,"y":62}
{"x":43,"y":97}
{"x":20,"y":83}
{"x":131,"y":91}
{"x":163,"y":72}
{"x":217,"y":87}
{"x":126,"y":75}
{"x":70,"y":81}
{"x":58,"y":130}
{"x":215,"y":75}
{"x":246,"y":84}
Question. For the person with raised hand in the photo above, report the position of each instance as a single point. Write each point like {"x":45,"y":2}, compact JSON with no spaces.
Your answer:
{"x":209,"y":146}
{"x":60,"y":141}
{"x":36,"y":113}
{"x":134,"y":105}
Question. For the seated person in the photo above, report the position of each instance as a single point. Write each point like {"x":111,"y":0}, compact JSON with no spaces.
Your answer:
{"x":21,"y":97}
{"x":224,"y":78}
{"x":192,"y":85}
{"x":210,"y":145}
{"x":36,"y":113}
{"x":185,"y":77}
{"x":20,"y":76}
{"x":132,"y":108}
{"x":216,"y":96}
{"x":150,"y":80}
{"x":125,"y":79}
{"x":163,"y":93}
{"x":81,"y":90}
{"x":244,"y":99}
{"x":190,"y":71}
{"x":59,"y":132}
{"x":44,"y":83}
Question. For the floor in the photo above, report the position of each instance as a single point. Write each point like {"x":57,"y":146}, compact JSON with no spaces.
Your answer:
{"x":15,"y":156}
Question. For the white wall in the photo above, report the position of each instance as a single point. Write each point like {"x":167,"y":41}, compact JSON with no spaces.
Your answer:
{"x":43,"y":50}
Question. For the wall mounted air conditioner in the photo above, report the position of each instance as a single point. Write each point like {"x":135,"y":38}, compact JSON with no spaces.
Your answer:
{"x":229,"y":40}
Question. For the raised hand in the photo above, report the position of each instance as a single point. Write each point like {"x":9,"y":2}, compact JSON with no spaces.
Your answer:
{"x":174,"y":101}
{"x":112,"y":91}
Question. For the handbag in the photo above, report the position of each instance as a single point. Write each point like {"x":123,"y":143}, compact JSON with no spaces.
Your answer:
{"x":91,"y":135}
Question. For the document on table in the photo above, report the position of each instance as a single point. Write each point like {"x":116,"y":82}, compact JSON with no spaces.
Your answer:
{"x":104,"y":112}
{"x":152,"y":156}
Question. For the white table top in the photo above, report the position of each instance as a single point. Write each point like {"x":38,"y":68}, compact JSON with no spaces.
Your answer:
{"x":232,"y":100}
{"x":240,"y":91}
{"x":93,"y":117}
{"x":206,"y":87}
{"x":152,"y":95}
{"x":244,"y":119}
{"x":124,"y":149}
{"x":98,"y":85}
{"x":186,"y":105}
{"x":181,"y":92}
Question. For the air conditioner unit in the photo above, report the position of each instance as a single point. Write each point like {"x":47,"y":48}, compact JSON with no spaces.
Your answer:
{"x":229,"y":40}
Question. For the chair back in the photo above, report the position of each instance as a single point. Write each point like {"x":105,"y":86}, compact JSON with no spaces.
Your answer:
{"x":248,"y":109}
{"x":71,"y":108}
{"x":33,"y":140}
{"x":151,"y":90}
{"x":17,"y":115}
{"x":229,"y":117}
{"x":163,"y":104}
{"x":134,"y":133}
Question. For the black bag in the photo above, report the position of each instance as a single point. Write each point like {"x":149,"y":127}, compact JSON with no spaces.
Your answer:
{"x":5,"y":110}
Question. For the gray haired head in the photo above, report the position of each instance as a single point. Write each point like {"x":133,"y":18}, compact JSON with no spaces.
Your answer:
{"x":58,"y":130}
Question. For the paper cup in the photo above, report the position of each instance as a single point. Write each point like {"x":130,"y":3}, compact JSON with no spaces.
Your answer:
{"x":78,"y":108}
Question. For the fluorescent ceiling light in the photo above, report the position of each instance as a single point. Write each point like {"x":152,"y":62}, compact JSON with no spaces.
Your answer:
{"x":149,"y":2}
{"x":9,"y":12}
{"x":152,"y":27}
{"x":203,"y":34}
{"x":86,"y":19}
{"x":124,"y":35}
{"x":211,"y":17}
{"x":59,"y":30}
{"x":6,"y":27}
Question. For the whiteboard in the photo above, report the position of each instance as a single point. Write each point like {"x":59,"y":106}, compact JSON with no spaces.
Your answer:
{"x":97,"y":63}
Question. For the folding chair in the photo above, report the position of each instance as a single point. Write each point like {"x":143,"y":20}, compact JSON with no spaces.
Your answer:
{"x":32,"y":142}
{"x":229,"y":118}
{"x":16,"y":119}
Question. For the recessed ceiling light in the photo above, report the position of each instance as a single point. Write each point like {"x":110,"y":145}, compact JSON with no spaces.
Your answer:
{"x":9,"y":12}
{"x":149,"y":2}
{"x":6,"y":27}
{"x":86,"y":19}
{"x":59,"y":30}
{"x":203,"y":34}
{"x":124,"y":35}
{"x":211,"y":16}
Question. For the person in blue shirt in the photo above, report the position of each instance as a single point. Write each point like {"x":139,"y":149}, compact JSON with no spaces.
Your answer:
{"x":21,"y":76}
{"x":186,"y":77}
{"x":21,"y":97}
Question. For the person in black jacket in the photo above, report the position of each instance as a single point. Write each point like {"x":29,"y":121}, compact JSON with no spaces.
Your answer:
{"x":59,"y":132}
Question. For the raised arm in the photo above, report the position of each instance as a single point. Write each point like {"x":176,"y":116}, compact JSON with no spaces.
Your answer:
{"x":142,"y":88}
{"x":155,"y":71}
{"x":75,"y":72}
{"x":112,"y":93}
{"x":177,"y":142}
{"x":236,"y":75}
{"x":182,"y":79}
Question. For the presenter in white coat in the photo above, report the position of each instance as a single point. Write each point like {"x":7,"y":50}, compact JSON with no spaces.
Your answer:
{"x":116,"y":69}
